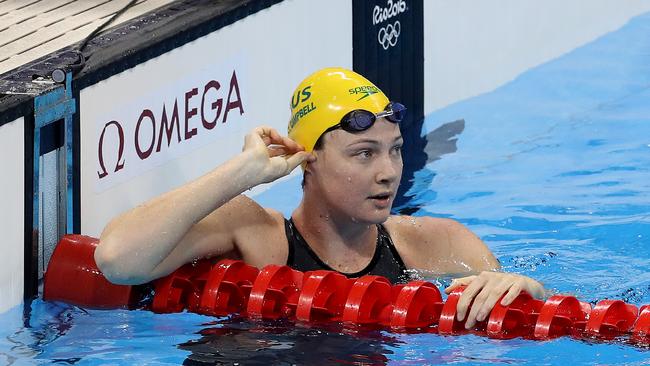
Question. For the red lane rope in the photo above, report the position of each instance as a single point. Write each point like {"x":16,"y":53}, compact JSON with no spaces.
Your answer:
{"x":232,"y":286}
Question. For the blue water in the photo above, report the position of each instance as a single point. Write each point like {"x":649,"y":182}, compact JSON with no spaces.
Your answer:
{"x":551,"y":170}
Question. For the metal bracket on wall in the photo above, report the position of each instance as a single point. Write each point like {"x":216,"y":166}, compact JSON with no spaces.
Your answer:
{"x":53,"y":111}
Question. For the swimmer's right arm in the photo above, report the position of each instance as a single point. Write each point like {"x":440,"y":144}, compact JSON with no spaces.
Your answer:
{"x":198,"y":219}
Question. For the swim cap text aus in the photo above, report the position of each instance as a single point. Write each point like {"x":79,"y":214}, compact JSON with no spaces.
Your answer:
{"x":324,"y":97}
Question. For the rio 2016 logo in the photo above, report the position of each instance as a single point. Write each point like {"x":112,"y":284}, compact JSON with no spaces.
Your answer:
{"x":388,"y":35}
{"x":392,"y":9}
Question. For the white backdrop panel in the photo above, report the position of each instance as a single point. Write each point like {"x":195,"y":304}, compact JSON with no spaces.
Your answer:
{"x":270,"y":52}
{"x":12,"y":217}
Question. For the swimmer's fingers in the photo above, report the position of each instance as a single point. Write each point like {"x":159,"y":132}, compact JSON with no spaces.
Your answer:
{"x":255,"y":138}
{"x":467,"y":297}
{"x":512,"y":294}
{"x":495,"y":286}
{"x":523,"y":283}
{"x":296,"y":159}
{"x":485,"y":301}
{"x":464,"y":281}
{"x":271,"y":136}
{"x":481,"y":295}
{"x":291,"y":145}
{"x":280,"y":166}
{"x":260,"y":137}
{"x":277,"y":150}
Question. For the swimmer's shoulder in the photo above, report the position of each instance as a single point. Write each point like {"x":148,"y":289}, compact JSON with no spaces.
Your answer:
{"x":418,"y":227}
{"x":437,"y":244}
{"x":260,"y":237}
{"x":415,"y":236}
{"x":244,"y":211}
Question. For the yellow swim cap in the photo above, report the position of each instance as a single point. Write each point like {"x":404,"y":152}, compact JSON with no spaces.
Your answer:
{"x":324,"y":97}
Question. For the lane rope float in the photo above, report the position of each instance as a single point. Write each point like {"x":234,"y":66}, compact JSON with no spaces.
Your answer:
{"x":275,"y":291}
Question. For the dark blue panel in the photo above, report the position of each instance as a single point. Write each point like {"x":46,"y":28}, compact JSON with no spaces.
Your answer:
{"x":30,"y":257}
{"x":52,"y":137}
{"x":388,"y":49}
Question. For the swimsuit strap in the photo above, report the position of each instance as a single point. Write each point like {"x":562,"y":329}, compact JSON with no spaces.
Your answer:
{"x":385,"y":261}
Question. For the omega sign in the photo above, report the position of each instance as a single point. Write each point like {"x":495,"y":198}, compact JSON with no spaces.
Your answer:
{"x":160,"y":128}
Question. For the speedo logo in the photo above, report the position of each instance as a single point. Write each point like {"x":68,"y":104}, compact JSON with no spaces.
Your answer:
{"x":365,"y":91}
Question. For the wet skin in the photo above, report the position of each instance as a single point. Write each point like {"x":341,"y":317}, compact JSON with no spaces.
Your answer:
{"x":350,"y":186}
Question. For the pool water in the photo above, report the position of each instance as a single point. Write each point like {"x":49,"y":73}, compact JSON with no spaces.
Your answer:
{"x":551,"y":170}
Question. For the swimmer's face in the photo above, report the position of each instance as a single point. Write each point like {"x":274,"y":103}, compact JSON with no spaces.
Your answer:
{"x":357,"y":174}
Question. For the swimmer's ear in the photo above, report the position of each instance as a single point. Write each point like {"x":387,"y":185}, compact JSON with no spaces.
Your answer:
{"x":312,"y":157}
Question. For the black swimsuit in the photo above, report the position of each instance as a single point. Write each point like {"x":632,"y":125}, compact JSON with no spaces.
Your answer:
{"x":385,"y":262}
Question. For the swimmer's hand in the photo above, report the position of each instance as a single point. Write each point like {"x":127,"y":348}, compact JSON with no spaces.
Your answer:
{"x":275,"y":155}
{"x":486,"y":289}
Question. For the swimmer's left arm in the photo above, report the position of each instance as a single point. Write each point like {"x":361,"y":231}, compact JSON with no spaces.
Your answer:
{"x":469,"y":253}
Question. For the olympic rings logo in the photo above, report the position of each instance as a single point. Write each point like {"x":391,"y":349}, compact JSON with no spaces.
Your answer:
{"x":389,"y":34}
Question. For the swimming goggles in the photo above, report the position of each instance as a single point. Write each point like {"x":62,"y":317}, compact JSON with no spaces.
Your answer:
{"x":360,"y":120}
